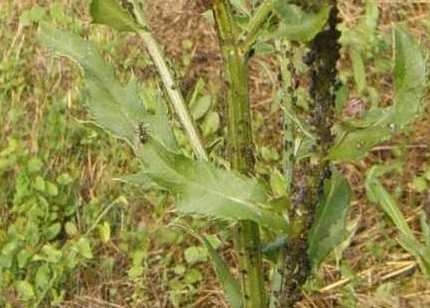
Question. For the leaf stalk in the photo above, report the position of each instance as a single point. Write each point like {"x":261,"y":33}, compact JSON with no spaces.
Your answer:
{"x":172,"y":88}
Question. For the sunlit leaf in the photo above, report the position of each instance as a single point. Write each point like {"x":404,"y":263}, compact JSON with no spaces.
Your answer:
{"x":206,"y":190}
{"x":200,"y":106}
{"x":43,"y":276}
{"x":83,"y":247}
{"x":195,"y":254}
{"x":211,"y":124}
{"x":330,"y":221}
{"x":110,"y":13}
{"x":25,"y":290}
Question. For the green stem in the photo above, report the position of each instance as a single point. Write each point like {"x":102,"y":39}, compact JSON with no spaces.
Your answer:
{"x":240,"y":151}
{"x":171,"y":86}
{"x":258,"y":20}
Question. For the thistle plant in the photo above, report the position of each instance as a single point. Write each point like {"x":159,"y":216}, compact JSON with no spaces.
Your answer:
{"x":296,"y":235}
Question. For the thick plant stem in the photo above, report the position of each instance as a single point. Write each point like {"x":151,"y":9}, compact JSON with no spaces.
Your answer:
{"x":171,"y":86}
{"x":240,"y":151}
{"x":310,"y":173}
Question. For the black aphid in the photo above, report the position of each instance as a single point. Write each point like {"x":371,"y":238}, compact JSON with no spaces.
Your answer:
{"x":143,"y":133}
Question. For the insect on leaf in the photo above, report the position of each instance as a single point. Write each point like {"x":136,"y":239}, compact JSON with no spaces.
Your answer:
{"x":116,"y":108}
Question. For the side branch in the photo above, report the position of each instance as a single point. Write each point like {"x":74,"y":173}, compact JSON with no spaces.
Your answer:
{"x":258,"y":20}
{"x":171,"y":86}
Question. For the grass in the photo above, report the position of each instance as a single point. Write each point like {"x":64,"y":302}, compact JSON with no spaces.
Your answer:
{"x":50,"y":157}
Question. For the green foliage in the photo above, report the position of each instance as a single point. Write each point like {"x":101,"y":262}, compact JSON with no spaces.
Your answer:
{"x":361,"y":42}
{"x":206,"y":190}
{"x":48,"y":235}
{"x":329,"y":228}
{"x":356,"y":144}
{"x":115,"y":108}
{"x":110,"y":13}
{"x":356,"y":138}
{"x":410,"y":76}
{"x":378,"y":194}
{"x":119,"y":110}
{"x":230,"y":284}
{"x":31,"y":259}
{"x":298,"y":25}
{"x":359,"y":70}
{"x":33,"y":15}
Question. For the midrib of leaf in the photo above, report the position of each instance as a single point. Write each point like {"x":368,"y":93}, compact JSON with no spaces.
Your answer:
{"x":215,"y":192}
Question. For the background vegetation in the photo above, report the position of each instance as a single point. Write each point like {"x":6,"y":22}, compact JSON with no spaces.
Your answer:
{"x":73,"y":234}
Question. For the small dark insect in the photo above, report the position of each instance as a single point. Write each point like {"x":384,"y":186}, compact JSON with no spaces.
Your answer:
{"x":295,"y":82}
{"x":143,"y":133}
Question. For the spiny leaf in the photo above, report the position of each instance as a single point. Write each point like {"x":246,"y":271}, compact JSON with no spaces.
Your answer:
{"x":329,"y":228}
{"x":110,"y":13}
{"x":115,"y":108}
{"x":298,"y":25}
{"x":206,"y":190}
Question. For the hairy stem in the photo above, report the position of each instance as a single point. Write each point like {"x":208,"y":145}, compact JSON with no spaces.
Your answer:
{"x":240,"y":150}
{"x":171,"y":86}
